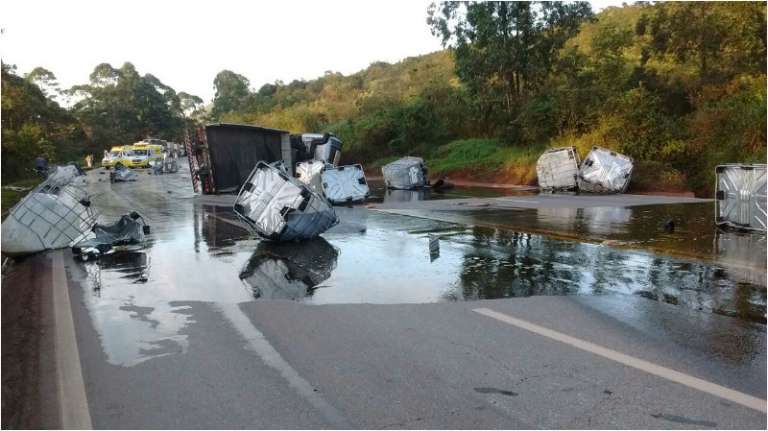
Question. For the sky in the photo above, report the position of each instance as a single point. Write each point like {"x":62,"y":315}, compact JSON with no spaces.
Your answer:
{"x":185,"y":44}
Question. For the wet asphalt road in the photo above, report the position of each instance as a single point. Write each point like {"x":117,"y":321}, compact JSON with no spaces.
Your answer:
{"x":206,"y":327}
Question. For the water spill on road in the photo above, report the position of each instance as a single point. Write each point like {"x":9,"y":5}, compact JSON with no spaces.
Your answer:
{"x":199,"y":253}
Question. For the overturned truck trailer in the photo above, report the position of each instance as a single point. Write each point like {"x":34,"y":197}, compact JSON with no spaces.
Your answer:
{"x":741,"y":196}
{"x":281,"y":208}
{"x":222,"y":155}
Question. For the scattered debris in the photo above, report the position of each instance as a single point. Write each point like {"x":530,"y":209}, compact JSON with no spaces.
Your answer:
{"x":281,"y":208}
{"x":345,"y":184}
{"x":122,"y":174}
{"x":605,"y":171}
{"x":52,"y":215}
{"x":442,"y":184}
{"x":558,"y":169}
{"x":669,"y":226}
{"x":741,"y":196}
{"x":129,"y":229}
{"x":16,"y":188}
{"x":285,"y":271}
{"x":406,"y":173}
{"x":321,"y":147}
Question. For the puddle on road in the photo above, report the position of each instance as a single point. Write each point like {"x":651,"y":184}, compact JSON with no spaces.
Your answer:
{"x":380,"y":194}
{"x":139,"y":299}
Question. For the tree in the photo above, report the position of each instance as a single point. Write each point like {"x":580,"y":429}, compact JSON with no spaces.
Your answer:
{"x":505,"y":50}
{"x":232,"y":91}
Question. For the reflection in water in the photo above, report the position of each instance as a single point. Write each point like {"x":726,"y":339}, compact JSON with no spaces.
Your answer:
{"x":196,"y":251}
{"x":289,"y":270}
{"x":510,"y":264}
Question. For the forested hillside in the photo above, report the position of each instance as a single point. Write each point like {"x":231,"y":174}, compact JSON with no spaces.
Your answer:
{"x":680,"y":87}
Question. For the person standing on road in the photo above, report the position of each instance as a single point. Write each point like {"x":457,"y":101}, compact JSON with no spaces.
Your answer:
{"x":41,"y":165}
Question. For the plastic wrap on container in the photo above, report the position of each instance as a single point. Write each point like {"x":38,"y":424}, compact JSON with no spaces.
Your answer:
{"x":128,"y":229}
{"x":406,"y":173}
{"x":288,"y":271}
{"x":53,"y":215}
{"x":741,"y":196}
{"x":605,"y":171}
{"x":558,"y":169}
{"x":308,"y":172}
{"x":281,"y":208}
{"x":345,"y":184}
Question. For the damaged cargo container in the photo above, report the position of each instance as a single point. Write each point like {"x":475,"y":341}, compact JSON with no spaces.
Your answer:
{"x":281,"y":208}
{"x":309,"y":172}
{"x":605,"y":171}
{"x":221,"y":156}
{"x":558,"y":169}
{"x":53,"y":215}
{"x":741,"y":196}
{"x":320,"y":147}
{"x":345,"y":184}
{"x":406,"y":173}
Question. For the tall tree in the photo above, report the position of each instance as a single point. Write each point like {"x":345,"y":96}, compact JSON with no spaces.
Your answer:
{"x":505,"y":50}
{"x":232,"y":91}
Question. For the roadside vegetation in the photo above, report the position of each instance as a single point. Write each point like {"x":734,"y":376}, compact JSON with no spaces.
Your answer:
{"x":680,"y":87}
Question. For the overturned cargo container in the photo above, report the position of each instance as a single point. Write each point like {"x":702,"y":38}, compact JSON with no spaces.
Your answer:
{"x":605,"y":171}
{"x":345,"y":184}
{"x":558,"y":169}
{"x":281,"y":208}
{"x":309,"y":172}
{"x":53,"y":215}
{"x":741,"y":196}
{"x":222,"y":155}
{"x":406,"y":173}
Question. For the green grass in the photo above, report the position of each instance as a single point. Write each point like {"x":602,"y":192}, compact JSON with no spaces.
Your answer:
{"x":480,"y":156}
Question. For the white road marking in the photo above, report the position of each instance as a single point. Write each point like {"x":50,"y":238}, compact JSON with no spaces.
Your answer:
{"x":630,"y":361}
{"x":258,"y":343}
{"x":73,"y":402}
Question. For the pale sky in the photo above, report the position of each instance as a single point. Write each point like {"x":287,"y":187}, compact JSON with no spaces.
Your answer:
{"x":185,"y":44}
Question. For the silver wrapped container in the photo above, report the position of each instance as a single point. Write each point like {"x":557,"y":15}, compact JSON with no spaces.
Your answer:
{"x":308,"y":172}
{"x":605,"y":171}
{"x":345,"y":184}
{"x":406,"y":173}
{"x":558,"y":169}
{"x":741,"y":196}
{"x":281,"y":208}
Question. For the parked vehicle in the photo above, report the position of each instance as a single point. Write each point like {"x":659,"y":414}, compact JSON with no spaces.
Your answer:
{"x":112,"y":156}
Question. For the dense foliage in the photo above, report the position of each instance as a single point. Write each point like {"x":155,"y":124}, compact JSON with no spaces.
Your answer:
{"x":679,"y":86}
{"x":116,"y":107}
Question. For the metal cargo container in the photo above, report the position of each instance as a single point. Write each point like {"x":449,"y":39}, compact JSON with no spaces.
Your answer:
{"x":558,"y":169}
{"x":345,"y":184}
{"x":740,"y":196}
{"x":308,"y":172}
{"x":605,"y":171}
{"x":406,"y":173}
{"x":281,"y":208}
{"x":221,"y":156}
{"x":323,"y":147}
